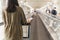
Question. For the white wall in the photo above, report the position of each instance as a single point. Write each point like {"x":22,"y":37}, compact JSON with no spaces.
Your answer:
{"x":1,"y":11}
{"x":37,"y":3}
{"x":58,"y":4}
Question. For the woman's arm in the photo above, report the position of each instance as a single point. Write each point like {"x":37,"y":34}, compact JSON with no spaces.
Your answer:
{"x":23,"y":17}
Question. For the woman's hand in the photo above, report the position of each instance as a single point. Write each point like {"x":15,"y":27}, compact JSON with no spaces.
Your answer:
{"x":29,"y":20}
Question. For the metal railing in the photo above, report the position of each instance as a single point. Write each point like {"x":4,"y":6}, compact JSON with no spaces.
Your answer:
{"x":52,"y":22}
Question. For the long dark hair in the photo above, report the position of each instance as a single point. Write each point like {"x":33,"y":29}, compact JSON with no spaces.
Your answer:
{"x":12,"y":5}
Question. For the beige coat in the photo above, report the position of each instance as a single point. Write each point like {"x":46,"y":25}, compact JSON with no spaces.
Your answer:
{"x":13,"y":24}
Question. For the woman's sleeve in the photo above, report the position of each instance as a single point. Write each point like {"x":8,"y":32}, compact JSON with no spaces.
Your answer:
{"x":23,"y":17}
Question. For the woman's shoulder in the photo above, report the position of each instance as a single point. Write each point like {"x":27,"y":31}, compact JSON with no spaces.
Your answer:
{"x":20,"y":8}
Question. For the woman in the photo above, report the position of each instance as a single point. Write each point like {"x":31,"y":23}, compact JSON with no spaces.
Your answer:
{"x":13,"y":19}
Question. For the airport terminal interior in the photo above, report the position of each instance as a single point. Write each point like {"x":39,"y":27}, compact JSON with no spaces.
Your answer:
{"x":45,"y":16}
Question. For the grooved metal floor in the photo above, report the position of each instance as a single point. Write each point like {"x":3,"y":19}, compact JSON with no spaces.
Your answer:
{"x":38,"y":30}
{"x":25,"y":38}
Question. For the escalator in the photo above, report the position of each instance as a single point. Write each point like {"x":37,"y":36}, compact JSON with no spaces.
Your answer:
{"x":38,"y":30}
